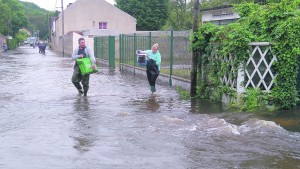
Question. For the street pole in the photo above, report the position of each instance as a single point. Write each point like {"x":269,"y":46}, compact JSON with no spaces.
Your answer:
{"x":49,"y":28}
{"x":63,"y":26}
{"x":194,"y":54}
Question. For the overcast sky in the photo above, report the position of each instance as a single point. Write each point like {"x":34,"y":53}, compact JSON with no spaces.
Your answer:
{"x":52,"y":4}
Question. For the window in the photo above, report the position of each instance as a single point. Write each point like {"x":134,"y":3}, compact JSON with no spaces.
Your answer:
{"x":223,"y":22}
{"x":102,"y":25}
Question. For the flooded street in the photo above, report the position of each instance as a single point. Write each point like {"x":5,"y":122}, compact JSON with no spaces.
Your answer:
{"x":45,"y":124}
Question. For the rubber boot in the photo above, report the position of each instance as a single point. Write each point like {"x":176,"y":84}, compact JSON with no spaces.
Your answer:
{"x":80,"y":91}
{"x":152,"y":88}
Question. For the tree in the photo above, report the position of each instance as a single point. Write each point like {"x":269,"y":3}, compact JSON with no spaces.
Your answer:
{"x":21,"y":36}
{"x":180,"y":15}
{"x":206,"y":4}
{"x":4,"y":18}
{"x":150,"y":14}
{"x":38,"y":19}
{"x":12,"y":16}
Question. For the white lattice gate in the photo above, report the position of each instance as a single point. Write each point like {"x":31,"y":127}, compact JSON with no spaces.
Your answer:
{"x":259,"y":71}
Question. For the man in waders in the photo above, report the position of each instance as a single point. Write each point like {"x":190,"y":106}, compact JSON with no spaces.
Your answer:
{"x":81,"y":52}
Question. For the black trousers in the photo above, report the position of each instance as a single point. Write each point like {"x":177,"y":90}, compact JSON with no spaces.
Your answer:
{"x":152,"y":76}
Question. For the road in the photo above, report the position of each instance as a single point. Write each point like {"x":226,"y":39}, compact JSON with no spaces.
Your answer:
{"x":45,"y":124}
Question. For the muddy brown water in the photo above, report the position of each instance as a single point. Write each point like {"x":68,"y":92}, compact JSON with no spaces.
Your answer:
{"x":45,"y":124}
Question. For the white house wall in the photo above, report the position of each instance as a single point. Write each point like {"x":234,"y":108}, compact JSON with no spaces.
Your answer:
{"x":219,"y":14}
{"x":82,"y":13}
{"x":85,"y":15}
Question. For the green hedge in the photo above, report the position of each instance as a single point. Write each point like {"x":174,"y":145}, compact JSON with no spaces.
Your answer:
{"x":11,"y":44}
{"x":277,"y":23}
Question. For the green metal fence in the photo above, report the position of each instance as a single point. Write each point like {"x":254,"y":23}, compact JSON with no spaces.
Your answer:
{"x":173,"y":45}
{"x":104,"y":48}
{"x":128,"y":46}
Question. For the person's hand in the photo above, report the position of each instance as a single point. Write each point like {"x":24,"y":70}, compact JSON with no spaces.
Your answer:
{"x":93,"y":67}
{"x":81,"y":55}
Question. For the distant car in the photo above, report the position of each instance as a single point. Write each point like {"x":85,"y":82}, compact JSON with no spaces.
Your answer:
{"x":31,"y":43}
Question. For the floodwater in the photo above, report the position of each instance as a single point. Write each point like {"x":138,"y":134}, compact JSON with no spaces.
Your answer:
{"x":45,"y":124}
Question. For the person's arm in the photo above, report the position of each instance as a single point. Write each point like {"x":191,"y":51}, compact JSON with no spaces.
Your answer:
{"x":91,"y":55}
{"x":75,"y":54}
{"x":158,"y":59}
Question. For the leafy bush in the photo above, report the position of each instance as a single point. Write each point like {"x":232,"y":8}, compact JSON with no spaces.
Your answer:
{"x":184,"y":95}
{"x":277,"y":23}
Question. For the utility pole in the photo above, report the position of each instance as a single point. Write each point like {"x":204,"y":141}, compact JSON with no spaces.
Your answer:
{"x":63,"y":27}
{"x":194,"y":54}
{"x":49,"y":28}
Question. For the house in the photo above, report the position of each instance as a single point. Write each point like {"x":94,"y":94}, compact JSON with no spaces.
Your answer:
{"x":222,"y":15}
{"x":91,"y":18}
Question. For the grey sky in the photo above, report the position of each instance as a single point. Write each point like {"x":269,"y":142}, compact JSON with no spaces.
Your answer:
{"x":52,"y":5}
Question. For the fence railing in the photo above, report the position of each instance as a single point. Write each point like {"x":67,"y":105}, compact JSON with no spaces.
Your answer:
{"x":173,"y":47}
{"x":257,"y":72}
{"x":259,"y":69}
{"x":104,"y":48}
{"x":128,"y":46}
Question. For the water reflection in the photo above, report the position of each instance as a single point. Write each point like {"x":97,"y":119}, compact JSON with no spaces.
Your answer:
{"x":83,"y":136}
{"x":152,"y":103}
{"x":288,"y":119}
{"x":111,"y":72}
{"x":81,"y":104}
{"x":206,"y":106}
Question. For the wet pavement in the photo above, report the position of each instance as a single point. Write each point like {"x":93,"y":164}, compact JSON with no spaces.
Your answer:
{"x":45,"y":124}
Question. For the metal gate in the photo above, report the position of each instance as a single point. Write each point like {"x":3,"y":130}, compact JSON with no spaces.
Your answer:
{"x":104,"y":48}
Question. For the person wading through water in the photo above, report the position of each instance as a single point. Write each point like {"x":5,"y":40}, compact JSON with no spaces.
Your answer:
{"x":81,"y":52}
{"x":153,"y":65}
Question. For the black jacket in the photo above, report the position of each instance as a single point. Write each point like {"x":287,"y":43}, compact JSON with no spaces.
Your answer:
{"x":152,"y":67}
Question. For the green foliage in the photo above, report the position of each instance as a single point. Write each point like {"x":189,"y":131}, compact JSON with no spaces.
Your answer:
{"x":16,"y":15}
{"x":4,"y":18}
{"x":277,"y":23}
{"x":38,"y":19}
{"x":150,"y":14}
{"x":12,"y":16}
{"x":255,"y":99}
{"x":180,"y":15}
{"x":208,"y":4}
{"x":11,"y":43}
{"x":252,"y":100}
{"x":21,"y":36}
{"x":184,"y":95}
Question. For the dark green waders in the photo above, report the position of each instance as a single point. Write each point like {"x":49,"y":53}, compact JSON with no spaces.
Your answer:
{"x":77,"y":78}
